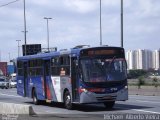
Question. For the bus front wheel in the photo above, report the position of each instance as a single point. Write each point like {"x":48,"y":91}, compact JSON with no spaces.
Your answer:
{"x":35,"y":100}
{"x":67,"y":100}
{"x":109,"y":105}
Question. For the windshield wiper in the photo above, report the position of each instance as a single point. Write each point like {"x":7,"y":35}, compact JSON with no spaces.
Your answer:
{"x":109,"y":67}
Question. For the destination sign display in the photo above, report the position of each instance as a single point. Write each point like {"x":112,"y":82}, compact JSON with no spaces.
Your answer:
{"x":102,"y":52}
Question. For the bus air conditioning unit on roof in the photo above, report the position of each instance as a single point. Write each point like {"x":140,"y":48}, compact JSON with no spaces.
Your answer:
{"x":81,"y":46}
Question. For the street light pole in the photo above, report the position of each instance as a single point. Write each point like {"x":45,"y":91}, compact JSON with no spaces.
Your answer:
{"x":47,"y":31}
{"x":18,"y":46}
{"x":25,"y":40}
{"x":121,"y":23}
{"x":100,"y":23}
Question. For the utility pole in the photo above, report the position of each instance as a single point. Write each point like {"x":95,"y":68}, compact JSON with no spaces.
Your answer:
{"x":121,"y":23}
{"x":47,"y":31}
{"x":18,"y":47}
{"x":25,"y":39}
{"x":100,"y":22}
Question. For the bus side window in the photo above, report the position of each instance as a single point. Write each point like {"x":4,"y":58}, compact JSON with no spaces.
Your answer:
{"x":65,"y":65}
{"x":20,"y":68}
{"x":35,"y":67}
{"x":55,"y":66}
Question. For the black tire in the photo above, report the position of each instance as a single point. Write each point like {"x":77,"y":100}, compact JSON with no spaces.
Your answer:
{"x":109,"y":105}
{"x":35,"y":99}
{"x":67,"y":101}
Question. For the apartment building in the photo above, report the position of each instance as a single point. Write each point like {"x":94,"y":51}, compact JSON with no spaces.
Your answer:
{"x":156,"y":59}
{"x":131,"y":59}
{"x":143,"y":59}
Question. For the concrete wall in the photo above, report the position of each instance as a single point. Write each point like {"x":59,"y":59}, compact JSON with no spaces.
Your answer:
{"x":11,"y":108}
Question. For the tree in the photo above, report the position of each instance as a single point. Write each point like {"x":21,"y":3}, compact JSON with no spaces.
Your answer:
{"x":141,"y":82}
{"x":155,"y":82}
{"x":136,"y":73}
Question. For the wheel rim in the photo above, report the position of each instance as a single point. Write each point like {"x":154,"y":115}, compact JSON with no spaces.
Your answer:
{"x":68,"y":101}
{"x":34,"y":98}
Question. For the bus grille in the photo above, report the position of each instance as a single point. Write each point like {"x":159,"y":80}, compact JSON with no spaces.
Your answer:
{"x":106,"y":98}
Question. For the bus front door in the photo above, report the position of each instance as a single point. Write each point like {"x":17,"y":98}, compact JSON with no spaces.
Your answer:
{"x":46,"y":76}
{"x":74,"y":78}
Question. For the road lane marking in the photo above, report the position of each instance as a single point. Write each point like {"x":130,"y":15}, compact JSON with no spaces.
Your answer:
{"x":147,"y":101}
{"x":53,"y":112}
{"x":9,"y":95}
{"x":135,"y":96}
{"x":12,"y":91}
{"x":146,"y":111}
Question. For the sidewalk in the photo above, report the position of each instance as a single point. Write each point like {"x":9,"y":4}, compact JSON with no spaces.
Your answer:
{"x":144,"y":90}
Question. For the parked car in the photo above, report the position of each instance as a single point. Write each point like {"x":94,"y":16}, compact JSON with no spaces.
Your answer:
{"x":4,"y":83}
{"x":13,"y":83}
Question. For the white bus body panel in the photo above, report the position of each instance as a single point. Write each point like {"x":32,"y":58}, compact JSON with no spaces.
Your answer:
{"x":59,"y":85}
{"x":57,"y":88}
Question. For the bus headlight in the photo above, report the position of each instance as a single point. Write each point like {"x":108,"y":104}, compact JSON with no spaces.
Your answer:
{"x":126,"y":87}
{"x":83,"y":90}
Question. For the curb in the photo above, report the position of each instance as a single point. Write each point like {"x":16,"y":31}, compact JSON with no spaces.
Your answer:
{"x":12,"y":108}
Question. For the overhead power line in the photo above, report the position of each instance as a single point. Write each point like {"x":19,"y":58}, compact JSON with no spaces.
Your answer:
{"x":9,"y":3}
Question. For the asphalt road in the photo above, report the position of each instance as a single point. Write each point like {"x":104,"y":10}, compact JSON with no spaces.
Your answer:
{"x":137,"y":105}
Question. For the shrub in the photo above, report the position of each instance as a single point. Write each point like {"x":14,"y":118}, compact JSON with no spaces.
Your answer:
{"x":141,"y":81}
{"x":136,"y":73}
{"x":155,"y":82}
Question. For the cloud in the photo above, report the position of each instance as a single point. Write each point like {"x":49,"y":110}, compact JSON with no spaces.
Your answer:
{"x":149,"y":8}
{"x":77,"y":22}
{"x":81,"y":6}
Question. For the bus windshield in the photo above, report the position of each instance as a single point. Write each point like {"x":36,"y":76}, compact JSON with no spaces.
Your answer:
{"x":103,"y":70}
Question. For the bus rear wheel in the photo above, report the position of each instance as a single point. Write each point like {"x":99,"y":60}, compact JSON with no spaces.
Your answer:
{"x":35,"y":100}
{"x":67,"y":100}
{"x":109,"y":105}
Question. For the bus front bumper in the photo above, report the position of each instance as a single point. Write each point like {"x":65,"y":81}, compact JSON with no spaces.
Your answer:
{"x":90,"y":97}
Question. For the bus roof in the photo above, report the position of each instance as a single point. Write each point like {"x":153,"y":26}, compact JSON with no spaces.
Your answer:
{"x":73,"y":51}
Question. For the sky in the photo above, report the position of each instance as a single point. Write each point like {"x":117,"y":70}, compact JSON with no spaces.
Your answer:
{"x":76,"y":22}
